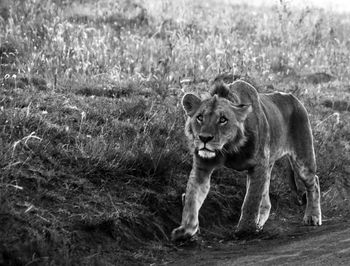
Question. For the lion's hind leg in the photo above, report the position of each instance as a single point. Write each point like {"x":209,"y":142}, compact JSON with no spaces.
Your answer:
{"x":310,"y":179}
{"x":304,"y":162}
{"x":297,"y":196}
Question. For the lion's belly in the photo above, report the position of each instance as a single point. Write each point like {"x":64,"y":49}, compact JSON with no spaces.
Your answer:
{"x":278,"y":154}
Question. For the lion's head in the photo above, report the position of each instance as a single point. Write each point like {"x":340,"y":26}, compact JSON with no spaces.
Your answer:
{"x":215,"y":125}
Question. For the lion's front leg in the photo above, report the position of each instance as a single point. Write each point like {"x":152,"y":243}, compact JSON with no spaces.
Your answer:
{"x":256,"y":205}
{"x":197,"y":189}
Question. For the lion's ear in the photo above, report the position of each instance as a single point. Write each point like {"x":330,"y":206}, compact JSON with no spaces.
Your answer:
{"x":190,"y":103}
{"x":242,"y":111}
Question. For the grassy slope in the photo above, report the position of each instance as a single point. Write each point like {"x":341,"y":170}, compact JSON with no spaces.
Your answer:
{"x":92,"y":154}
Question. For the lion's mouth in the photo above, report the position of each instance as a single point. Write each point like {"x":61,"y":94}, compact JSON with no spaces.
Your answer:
{"x":207,"y":154}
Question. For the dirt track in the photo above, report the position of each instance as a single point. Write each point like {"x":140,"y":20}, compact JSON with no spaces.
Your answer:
{"x":298,"y":245}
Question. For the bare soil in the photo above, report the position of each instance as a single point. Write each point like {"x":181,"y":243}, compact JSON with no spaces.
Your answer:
{"x":281,"y":243}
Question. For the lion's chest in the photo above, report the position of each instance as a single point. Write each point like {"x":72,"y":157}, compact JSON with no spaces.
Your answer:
{"x":243,"y":159}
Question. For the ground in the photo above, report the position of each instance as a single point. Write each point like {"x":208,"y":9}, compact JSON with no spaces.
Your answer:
{"x":93,"y":157}
{"x":299,"y":245}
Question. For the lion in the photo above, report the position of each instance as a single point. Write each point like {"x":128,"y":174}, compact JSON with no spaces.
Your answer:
{"x":239,"y":128}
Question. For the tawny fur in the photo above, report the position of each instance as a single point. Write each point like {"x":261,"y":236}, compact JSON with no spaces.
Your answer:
{"x":241,"y":129}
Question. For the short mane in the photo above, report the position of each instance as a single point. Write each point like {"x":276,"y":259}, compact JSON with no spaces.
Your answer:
{"x":221,"y":90}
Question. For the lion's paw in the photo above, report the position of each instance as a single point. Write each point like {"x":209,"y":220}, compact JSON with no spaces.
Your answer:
{"x":248,"y":231}
{"x":312,"y":220}
{"x":181,"y":233}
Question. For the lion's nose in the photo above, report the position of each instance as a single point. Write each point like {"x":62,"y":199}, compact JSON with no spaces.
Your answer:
{"x":205,"y":139}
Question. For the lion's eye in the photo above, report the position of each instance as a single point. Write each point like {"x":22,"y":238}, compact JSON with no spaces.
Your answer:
{"x":200,"y":118}
{"x":223,"y":120}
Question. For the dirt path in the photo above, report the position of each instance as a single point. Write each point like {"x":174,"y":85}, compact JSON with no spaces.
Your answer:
{"x":298,"y":245}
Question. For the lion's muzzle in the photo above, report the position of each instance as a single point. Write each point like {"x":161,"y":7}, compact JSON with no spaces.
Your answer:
{"x":205,"y":147}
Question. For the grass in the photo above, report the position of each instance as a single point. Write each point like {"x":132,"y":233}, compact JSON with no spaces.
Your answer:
{"x":93,"y":156}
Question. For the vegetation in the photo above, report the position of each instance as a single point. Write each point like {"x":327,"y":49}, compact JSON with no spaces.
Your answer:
{"x":93,"y":158}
